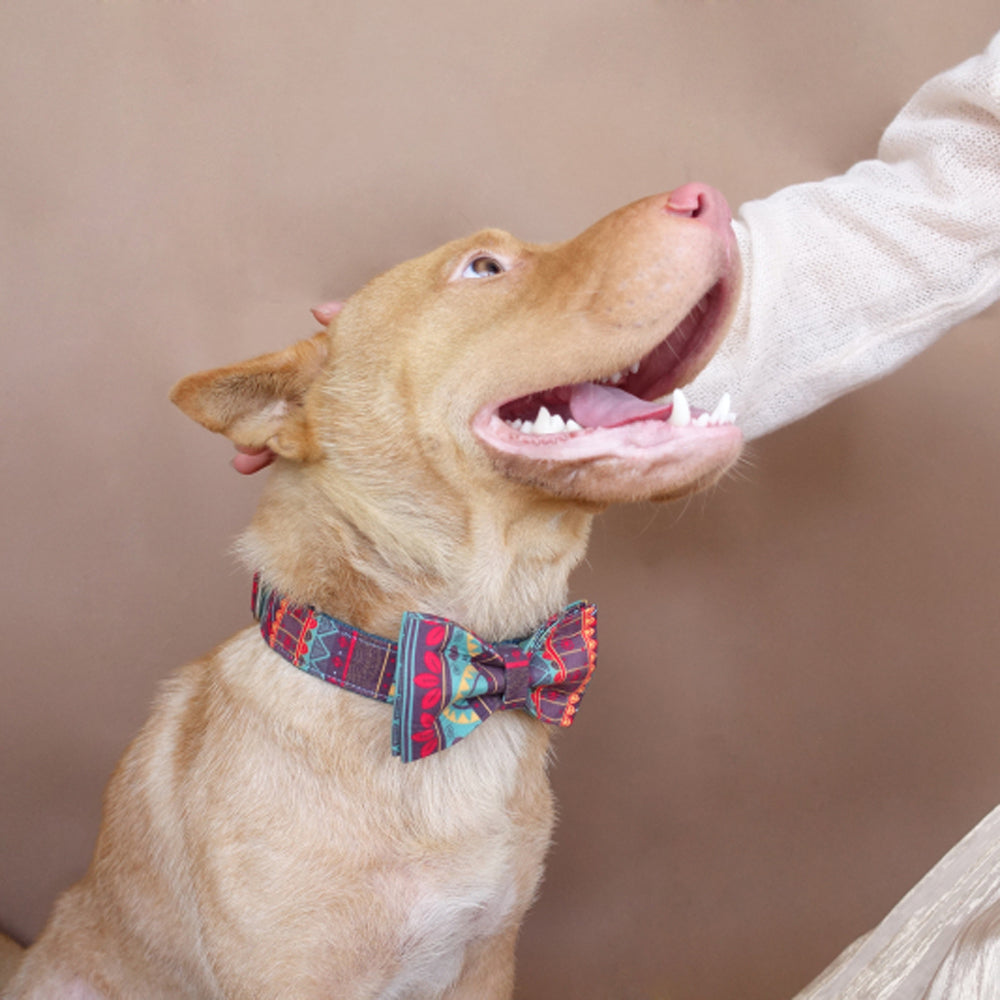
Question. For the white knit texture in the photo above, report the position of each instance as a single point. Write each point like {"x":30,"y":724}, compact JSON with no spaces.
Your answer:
{"x":846,"y":279}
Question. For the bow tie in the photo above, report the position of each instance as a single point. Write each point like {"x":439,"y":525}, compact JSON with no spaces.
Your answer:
{"x":442,"y":680}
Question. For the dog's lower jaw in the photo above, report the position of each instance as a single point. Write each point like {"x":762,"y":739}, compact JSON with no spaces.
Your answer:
{"x":642,"y":460}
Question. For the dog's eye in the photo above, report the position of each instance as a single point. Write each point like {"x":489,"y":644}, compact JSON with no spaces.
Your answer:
{"x":483,"y":266}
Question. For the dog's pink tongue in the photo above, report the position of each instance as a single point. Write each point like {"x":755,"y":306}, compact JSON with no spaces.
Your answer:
{"x":594,"y":405}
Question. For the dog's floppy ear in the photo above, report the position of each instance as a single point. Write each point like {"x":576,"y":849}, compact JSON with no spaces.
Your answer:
{"x":259,"y":403}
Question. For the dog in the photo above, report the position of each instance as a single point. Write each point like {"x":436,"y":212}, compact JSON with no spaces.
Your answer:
{"x":442,"y":448}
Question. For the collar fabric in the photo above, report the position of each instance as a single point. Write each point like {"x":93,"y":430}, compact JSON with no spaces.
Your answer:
{"x":441,"y":679}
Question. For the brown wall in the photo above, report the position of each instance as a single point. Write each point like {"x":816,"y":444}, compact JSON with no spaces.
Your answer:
{"x":795,"y":712}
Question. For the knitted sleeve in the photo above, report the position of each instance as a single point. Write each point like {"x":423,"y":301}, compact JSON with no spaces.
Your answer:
{"x":846,"y":279}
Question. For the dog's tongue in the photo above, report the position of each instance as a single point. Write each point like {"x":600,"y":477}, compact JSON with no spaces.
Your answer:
{"x":594,"y":405}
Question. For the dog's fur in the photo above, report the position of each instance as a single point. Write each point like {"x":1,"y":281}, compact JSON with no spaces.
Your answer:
{"x":258,"y":838}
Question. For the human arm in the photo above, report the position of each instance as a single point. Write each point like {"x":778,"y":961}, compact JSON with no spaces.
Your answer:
{"x":847,"y":278}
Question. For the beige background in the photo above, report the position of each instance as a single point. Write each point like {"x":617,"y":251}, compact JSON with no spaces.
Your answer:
{"x":796,"y":709}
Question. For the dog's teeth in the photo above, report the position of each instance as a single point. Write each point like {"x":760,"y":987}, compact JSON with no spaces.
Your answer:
{"x":527,"y":427}
{"x":720,"y":415}
{"x":543,"y":422}
{"x":702,"y":420}
{"x":549,"y":423}
{"x":572,"y":425}
{"x":680,"y":416}
{"x":618,"y":377}
{"x":517,"y":424}
{"x":634,"y":368}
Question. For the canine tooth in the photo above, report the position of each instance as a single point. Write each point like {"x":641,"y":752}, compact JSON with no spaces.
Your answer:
{"x":572,"y":425}
{"x":543,"y":422}
{"x":634,"y":368}
{"x":548,"y":423}
{"x":680,"y":416}
{"x":720,"y":414}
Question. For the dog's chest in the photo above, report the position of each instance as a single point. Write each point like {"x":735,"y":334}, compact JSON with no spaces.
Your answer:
{"x":480,"y":879}
{"x":400,"y":866}
{"x":442,"y":922}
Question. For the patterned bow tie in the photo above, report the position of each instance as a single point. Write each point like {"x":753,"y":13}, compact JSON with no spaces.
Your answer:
{"x":442,"y":680}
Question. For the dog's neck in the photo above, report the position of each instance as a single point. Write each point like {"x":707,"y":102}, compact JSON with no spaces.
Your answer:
{"x":498,"y":569}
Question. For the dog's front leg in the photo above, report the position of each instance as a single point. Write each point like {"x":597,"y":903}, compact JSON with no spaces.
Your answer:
{"x":488,"y":970}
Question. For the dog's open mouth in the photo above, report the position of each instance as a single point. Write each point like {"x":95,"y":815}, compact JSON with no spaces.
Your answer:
{"x":633,"y":394}
{"x":631,"y":432}
{"x":647,"y":390}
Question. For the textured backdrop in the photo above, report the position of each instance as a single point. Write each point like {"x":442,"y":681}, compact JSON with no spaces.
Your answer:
{"x":796,"y":709}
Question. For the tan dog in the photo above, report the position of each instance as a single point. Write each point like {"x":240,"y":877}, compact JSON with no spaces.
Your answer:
{"x":259,"y":838}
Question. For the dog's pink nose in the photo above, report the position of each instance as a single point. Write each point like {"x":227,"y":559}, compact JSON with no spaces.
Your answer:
{"x":699,"y":201}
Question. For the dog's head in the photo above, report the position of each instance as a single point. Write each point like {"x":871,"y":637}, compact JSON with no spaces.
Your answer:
{"x":498,"y":372}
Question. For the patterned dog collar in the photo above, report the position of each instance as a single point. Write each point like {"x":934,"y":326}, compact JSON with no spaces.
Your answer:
{"x":442,"y":680}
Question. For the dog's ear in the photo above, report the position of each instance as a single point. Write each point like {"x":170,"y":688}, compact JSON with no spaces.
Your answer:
{"x":259,"y":403}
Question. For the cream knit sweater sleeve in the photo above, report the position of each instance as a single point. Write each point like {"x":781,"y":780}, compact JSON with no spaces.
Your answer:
{"x":846,"y":279}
